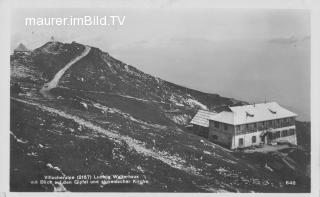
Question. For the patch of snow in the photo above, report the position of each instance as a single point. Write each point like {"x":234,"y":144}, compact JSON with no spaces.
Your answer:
{"x":194,"y":103}
{"x":17,"y":139}
{"x":174,"y":100}
{"x":49,"y":165}
{"x":268,"y":167}
{"x":158,"y":80}
{"x":180,"y":119}
{"x":213,"y":190}
{"x":32,"y":154}
{"x":126,"y":67}
{"x":85,"y":105}
{"x":193,"y":147}
{"x":104,"y":162}
{"x":229,"y":161}
{"x":59,"y":187}
{"x":221,"y":169}
{"x":135,"y":98}
{"x":111,"y":68}
{"x":116,"y":154}
{"x":106,"y":109}
{"x":140,"y":169}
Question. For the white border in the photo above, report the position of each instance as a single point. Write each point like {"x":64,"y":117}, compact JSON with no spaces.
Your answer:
{"x":6,"y":6}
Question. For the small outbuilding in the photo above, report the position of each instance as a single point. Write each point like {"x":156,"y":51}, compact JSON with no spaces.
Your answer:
{"x":200,"y":123}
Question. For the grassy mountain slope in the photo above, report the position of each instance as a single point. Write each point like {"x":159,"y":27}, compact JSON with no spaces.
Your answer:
{"x":107,"y":117}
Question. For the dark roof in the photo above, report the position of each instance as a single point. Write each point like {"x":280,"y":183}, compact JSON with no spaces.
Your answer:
{"x":202,"y":118}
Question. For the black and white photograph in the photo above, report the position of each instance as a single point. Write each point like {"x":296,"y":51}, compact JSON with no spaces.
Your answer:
{"x":160,"y":98}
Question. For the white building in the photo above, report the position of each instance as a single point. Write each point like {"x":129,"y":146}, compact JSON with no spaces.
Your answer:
{"x":248,"y":125}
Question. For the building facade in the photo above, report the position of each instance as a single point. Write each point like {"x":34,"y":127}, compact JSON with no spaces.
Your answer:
{"x":249,"y":125}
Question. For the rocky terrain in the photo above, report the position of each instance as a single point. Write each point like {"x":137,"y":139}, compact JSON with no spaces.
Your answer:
{"x":108,"y":118}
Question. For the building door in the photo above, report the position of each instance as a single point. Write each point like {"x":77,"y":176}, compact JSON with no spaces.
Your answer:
{"x":240,"y":142}
{"x":269,"y":137}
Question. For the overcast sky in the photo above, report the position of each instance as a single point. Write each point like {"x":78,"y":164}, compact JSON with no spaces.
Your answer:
{"x":241,"y":53}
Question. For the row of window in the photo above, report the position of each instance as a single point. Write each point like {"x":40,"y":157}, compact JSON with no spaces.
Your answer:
{"x":278,"y":123}
{"x":253,"y":140}
{"x":217,"y":125}
{"x":252,"y":127}
{"x":275,"y":135}
{"x":283,"y":133}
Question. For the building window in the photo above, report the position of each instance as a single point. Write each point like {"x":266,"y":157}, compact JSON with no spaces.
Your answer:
{"x":284,"y":133}
{"x":225,"y":127}
{"x":216,"y":124}
{"x":254,"y":139}
{"x":291,"y":121}
{"x":277,"y":134}
{"x":250,"y":126}
{"x":240,"y":141}
{"x":238,"y":127}
{"x":291,"y":132}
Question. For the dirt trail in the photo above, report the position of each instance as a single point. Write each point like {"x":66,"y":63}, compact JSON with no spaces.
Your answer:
{"x":54,"y":82}
{"x":172,"y":160}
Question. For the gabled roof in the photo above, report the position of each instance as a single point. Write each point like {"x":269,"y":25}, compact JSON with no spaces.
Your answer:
{"x":252,"y":113}
{"x":21,"y":48}
{"x":202,"y":118}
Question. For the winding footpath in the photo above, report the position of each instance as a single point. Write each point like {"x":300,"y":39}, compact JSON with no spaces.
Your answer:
{"x":54,"y":82}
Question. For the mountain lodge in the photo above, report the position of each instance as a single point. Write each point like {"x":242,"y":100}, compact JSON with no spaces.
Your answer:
{"x":247,"y":125}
